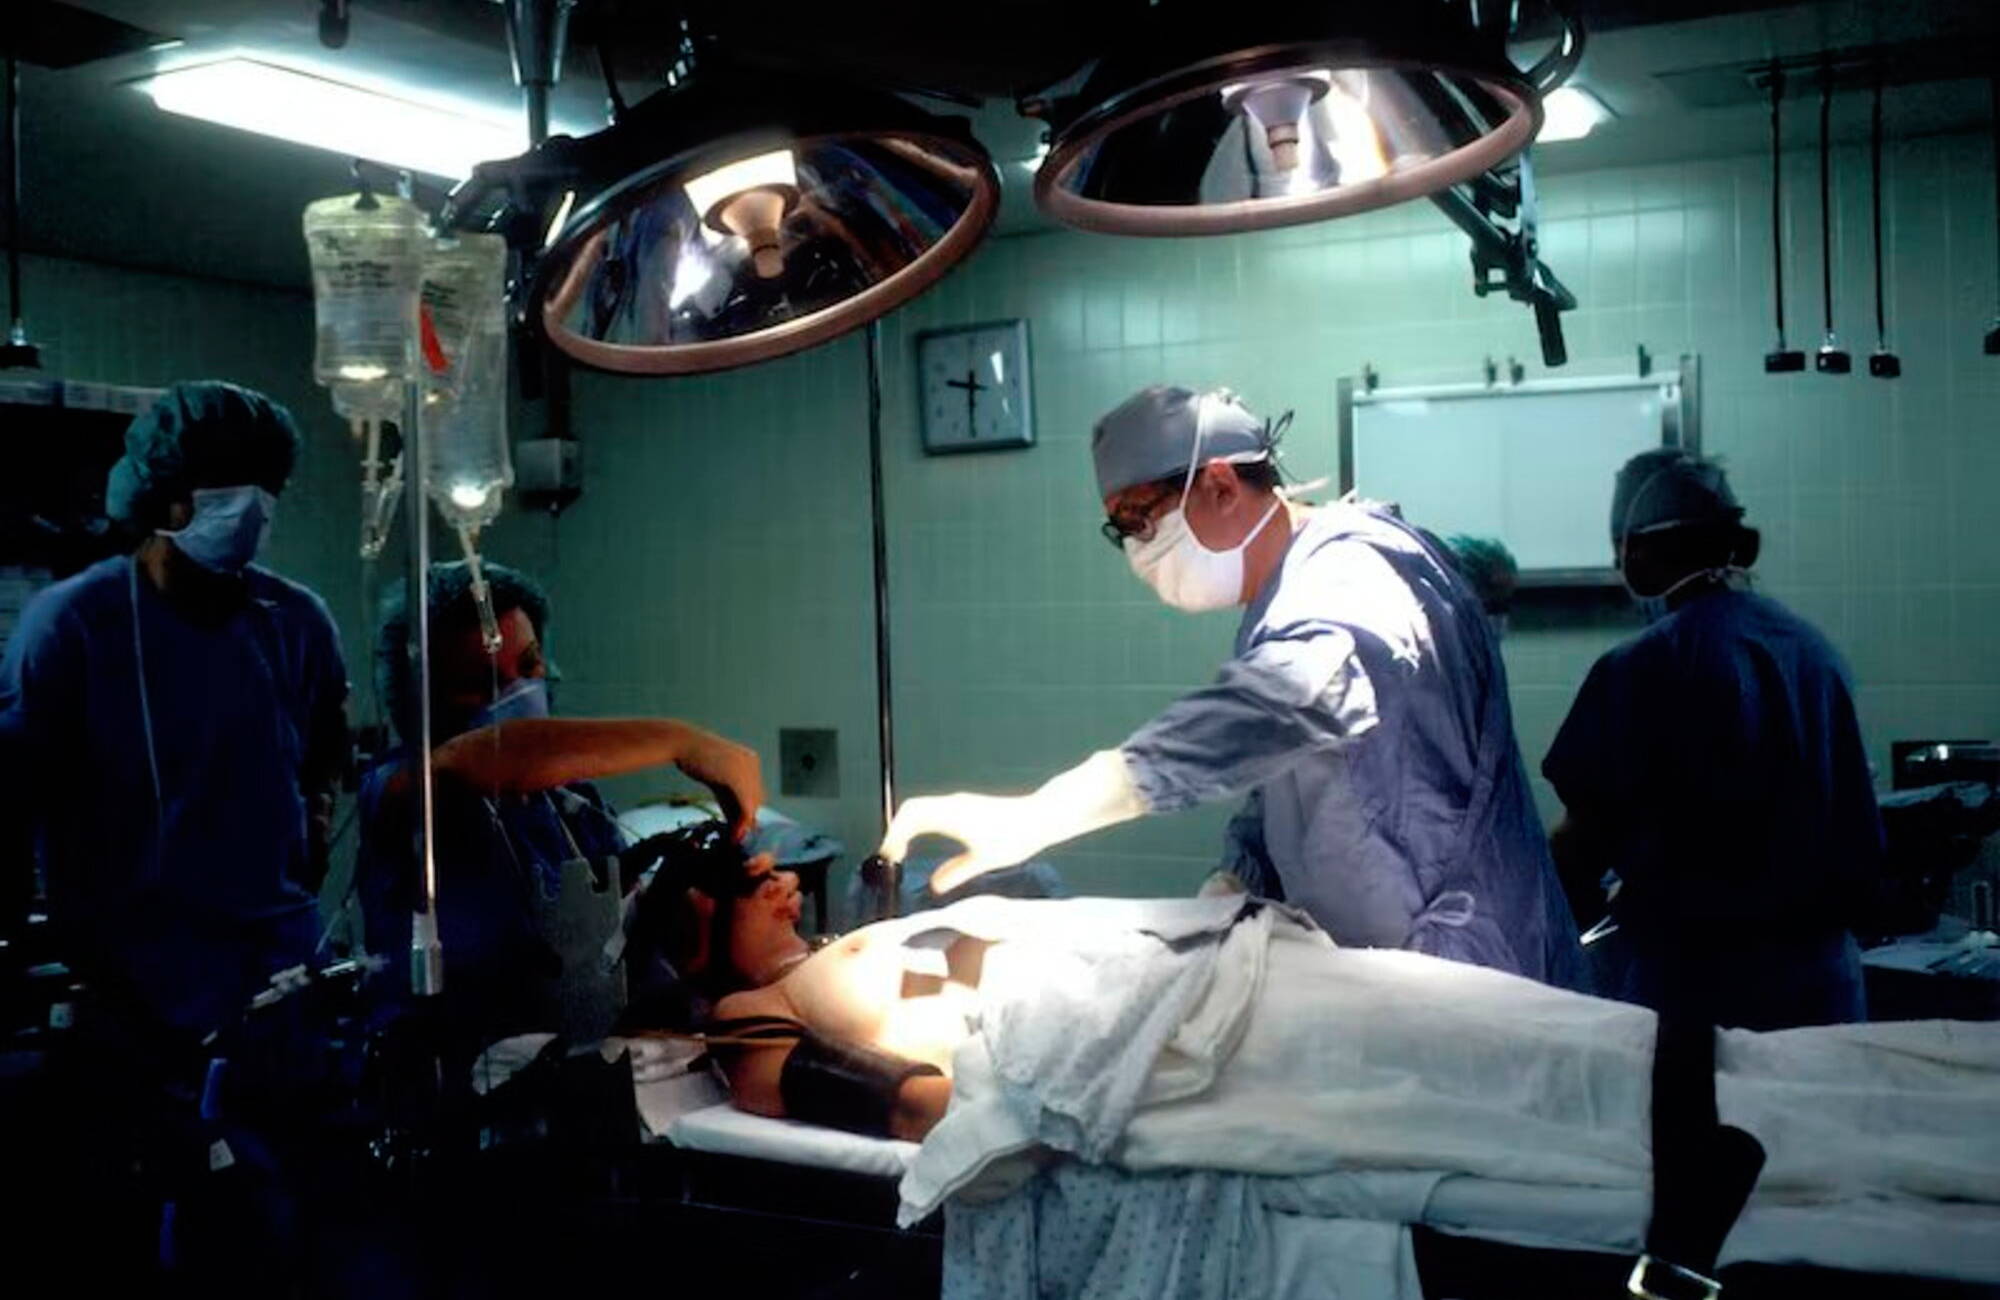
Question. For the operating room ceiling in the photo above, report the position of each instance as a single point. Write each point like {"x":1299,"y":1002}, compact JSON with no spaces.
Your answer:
{"x":108,"y":177}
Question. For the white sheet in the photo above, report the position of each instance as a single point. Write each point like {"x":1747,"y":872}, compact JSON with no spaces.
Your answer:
{"x":1299,"y":1059}
{"x":725,"y":1130}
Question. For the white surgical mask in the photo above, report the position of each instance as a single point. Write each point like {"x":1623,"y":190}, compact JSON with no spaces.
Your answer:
{"x":228,"y":528}
{"x":1173,"y":561}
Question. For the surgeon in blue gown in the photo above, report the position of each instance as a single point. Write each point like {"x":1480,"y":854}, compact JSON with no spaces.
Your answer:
{"x":1713,"y":771}
{"x":175,"y":717}
{"x":1364,"y":714}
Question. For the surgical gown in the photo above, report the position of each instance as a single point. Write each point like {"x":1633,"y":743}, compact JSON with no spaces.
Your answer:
{"x":184,"y":905}
{"x":1365,"y":714}
{"x":1718,"y":757}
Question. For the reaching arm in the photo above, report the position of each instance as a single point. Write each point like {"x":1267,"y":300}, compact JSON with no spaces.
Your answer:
{"x":532,"y":754}
{"x":999,"y":832}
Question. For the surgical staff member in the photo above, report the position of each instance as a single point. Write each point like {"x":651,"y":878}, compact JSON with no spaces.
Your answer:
{"x":176,"y":718}
{"x":516,"y":803}
{"x":1714,"y":766}
{"x":1364,"y":714}
{"x":179,"y":713}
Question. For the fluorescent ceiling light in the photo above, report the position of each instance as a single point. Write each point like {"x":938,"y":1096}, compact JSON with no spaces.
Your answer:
{"x":1569,"y":114}
{"x":346,"y":119}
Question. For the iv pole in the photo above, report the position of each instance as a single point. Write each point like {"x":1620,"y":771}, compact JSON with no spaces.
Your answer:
{"x":426,"y":948}
{"x":535,"y":35}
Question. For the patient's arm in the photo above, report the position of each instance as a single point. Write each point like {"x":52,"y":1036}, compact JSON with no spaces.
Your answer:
{"x":850,"y":990}
{"x":754,"y":1085}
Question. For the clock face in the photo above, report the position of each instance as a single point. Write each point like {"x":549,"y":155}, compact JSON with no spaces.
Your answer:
{"x":975,"y":388}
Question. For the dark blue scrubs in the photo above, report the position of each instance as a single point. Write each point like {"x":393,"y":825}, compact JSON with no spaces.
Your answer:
{"x":1719,"y":752}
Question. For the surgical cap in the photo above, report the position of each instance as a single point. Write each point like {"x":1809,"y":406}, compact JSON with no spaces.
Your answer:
{"x":451,"y":590}
{"x":1488,"y":566}
{"x":1151,"y":435}
{"x":1670,"y":488}
{"x":203,"y":433}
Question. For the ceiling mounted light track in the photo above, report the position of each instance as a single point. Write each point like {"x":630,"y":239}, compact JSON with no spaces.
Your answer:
{"x":743,"y":216}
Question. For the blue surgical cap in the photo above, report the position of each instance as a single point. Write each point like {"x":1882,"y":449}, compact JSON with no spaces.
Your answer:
{"x":451,"y":593}
{"x":1670,"y":488}
{"x":1151,"y":435}
{"x":203,"y":433}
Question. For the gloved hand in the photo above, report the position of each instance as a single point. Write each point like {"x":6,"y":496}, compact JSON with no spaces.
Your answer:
{"x":1000,"y":831}
{"x":733,"y":772}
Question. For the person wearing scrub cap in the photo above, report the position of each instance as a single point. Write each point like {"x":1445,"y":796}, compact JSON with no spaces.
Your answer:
{"x":1712,"y":770}
{"x":1491,"y":569}
{"x":1363,"y":716}
{"x":516,"y":804}
{"x":183,"y":710}
{"x":176,"y":718}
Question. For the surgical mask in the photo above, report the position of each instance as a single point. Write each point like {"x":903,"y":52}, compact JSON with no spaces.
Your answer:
{"x":526,"y":698}
{"x":228,"y":528}
{"x":1175,"y":564}
{"x":1655,"y":608}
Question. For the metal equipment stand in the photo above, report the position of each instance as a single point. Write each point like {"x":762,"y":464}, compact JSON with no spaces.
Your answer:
{"x":882,"y":879}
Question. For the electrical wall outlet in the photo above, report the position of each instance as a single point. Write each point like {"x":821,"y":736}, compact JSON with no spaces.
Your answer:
{"x":809,"y":762}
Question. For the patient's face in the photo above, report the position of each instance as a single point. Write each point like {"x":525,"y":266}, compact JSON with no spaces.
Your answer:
{"x":764,"y":937}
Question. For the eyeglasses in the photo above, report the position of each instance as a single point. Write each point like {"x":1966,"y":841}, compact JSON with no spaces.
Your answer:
{"x":1136,"y":520}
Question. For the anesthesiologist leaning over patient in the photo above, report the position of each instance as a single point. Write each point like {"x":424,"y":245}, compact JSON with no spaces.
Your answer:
{"x":515,"y":799}
{"x":1364,"y":713}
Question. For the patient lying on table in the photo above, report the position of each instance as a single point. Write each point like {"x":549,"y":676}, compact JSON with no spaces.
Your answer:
{"x":1227,"y":1034}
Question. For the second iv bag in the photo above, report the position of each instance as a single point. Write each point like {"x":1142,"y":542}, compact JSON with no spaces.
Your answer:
{"x":367,"y":256}
{"x":462,"y":337}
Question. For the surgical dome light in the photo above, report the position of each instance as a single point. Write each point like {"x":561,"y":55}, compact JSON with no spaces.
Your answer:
{"x":462,"y":411}
{"x":741,"y":216}
{"x":367,"y":254}
{"x":1278,"y":114}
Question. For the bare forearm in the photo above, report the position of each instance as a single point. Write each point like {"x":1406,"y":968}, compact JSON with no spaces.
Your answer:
{"x":533,"y":754}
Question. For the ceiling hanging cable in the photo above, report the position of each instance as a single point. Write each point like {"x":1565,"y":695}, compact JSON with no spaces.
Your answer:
{"x":1993,"y":331}
{"x":1782,"y":359}
{"x":1883,"y":364}
{"x":1831,"y":359}
{"x":16,"y":353}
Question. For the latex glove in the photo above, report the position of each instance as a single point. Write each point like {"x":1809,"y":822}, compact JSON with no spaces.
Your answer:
{"x":1000,"y":831}
{"x":733,"y":772}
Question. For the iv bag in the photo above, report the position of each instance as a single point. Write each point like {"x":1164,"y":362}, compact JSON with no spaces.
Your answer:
{"x":463,"y":347}
{"x":367,"y":254}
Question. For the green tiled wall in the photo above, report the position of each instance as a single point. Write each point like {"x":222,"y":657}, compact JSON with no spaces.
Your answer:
{"x":724,"y":528}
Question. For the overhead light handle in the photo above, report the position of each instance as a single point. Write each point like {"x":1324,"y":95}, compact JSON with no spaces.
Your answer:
{"x":1557,"y":66}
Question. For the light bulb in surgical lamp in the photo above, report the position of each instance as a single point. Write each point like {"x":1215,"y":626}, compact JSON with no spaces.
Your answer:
{"x":468,"y":496}
{"x":1570,"y":114}
{"x":750,"y":198}
{"x":1276,"y":107}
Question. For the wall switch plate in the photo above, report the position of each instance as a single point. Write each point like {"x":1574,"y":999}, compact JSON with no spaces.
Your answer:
{"x":809,"y":762}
